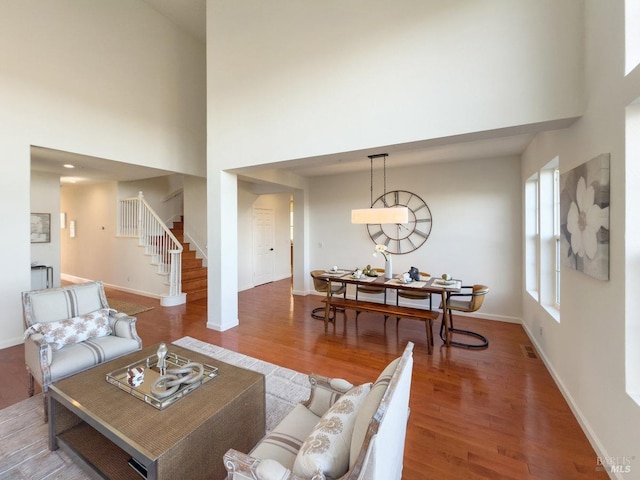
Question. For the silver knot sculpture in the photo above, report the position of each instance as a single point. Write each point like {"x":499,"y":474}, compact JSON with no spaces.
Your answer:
{"x":169,"y":383}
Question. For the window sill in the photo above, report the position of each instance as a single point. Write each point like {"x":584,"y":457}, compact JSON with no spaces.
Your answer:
{"x":553,"y":311}
{"x":635,"y":397}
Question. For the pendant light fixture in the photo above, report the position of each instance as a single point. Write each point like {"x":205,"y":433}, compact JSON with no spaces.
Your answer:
{"x":380,"y":215}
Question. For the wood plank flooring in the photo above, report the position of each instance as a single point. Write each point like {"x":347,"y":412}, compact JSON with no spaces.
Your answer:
{"x":489,"y":414}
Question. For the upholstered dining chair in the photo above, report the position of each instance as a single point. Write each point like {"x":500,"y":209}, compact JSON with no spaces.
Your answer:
{"x":465,"y":302}
{"x":372,"y":290}
{"x":322,"y":285}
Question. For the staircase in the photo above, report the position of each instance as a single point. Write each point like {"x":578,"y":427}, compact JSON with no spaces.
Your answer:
{"x":137,"y":220}
{"x":194,"y":275}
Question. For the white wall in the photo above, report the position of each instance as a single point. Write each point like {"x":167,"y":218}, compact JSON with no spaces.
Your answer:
{"x":109,"y":79}
{"x":303,"y":80}
{"x":45,"y":198}
{"x":93,"y":209}
{"x":195,"y":215}
{"x":158,"y":192}
{"x":476,"y":234}
{"x":314,"y":78}
{"x":585,"y":351}
{"x":15,"y":201}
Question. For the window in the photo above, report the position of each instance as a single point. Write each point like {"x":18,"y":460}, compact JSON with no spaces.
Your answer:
{"x":632,"y":35}
{"x":291,"y":219}
{"x":531,"y":232}
{"x":556,"y":233}
{"x":542,"y":230}
{"x":632,"y":250}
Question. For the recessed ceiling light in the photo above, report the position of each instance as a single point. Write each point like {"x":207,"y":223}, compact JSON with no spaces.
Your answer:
{"x":68,"y":165}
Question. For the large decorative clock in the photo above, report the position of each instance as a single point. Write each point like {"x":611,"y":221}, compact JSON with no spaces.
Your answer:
{"x":401,"y":238}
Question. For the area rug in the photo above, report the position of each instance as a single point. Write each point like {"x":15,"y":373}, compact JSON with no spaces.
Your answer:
{"x":126,"y":307}
{"x":285,"y":388}
{"x":24,"y":447}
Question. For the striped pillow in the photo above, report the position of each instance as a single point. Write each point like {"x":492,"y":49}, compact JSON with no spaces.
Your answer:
{"x":283,"y":443}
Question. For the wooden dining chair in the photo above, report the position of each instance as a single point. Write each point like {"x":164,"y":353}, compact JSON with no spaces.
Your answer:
{"x":472,"y":302}
{"x":372,"y":290}
{"x":413,"y":294}
{"x":322,"y":285}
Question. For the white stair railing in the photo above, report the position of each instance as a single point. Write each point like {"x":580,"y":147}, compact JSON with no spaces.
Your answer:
{"x":137,"y":219}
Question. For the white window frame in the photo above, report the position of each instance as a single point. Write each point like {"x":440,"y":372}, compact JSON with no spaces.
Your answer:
{"x":631,"y":35}
{"x":542,"y":230}
{"x":556,"y":234}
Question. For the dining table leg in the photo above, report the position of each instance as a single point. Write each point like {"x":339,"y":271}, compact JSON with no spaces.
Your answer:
{"x":429,"y":326}
{"x":327,"y":309}
{"x":445,"y":318}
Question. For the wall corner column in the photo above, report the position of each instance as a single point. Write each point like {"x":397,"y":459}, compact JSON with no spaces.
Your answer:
{"x":222,"y":233}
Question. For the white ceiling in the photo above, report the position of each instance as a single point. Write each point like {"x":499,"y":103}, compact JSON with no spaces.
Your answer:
{"x":88,"y":169}
{"x":411,"y":154}
{"x":190,"y":15}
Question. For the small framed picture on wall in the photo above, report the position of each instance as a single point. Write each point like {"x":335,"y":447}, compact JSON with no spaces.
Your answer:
{"x":40,"y":227}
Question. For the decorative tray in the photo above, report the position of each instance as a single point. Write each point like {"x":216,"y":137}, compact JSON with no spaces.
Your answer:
{"x":138,"y":378}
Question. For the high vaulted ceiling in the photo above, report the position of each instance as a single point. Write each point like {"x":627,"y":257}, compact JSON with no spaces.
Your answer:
{"x":190,"y":15}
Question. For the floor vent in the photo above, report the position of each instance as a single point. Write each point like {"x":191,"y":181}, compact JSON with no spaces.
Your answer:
{"x":528,"y":351}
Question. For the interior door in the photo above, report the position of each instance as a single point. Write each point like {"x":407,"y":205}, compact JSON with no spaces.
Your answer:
{"x":263,"y":250}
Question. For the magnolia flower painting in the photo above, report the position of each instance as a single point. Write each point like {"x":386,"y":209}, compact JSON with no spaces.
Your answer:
{"x":584,"y":214}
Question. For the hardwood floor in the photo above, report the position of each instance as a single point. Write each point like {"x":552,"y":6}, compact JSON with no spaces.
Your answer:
{"x":494,"y":413}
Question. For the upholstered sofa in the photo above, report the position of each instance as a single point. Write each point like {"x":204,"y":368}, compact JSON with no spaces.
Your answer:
{"x":341,"y":432}
{"x":71,"y":329}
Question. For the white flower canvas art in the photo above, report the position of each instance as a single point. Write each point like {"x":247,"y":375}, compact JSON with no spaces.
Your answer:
{"x":584,"y":217}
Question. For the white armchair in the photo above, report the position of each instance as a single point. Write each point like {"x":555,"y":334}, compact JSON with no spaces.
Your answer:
{"x":345,"y":432}
{"x":71,"y":329}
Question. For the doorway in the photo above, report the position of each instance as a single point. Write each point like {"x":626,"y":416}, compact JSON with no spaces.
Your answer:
{"x":263,"y":249}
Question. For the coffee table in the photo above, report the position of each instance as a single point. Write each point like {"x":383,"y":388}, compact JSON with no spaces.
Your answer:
{"x":102,"y":427}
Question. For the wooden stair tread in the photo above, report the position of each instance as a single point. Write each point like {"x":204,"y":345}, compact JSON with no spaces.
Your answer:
{"x":194,"y":275}
{"x":196,"y":295}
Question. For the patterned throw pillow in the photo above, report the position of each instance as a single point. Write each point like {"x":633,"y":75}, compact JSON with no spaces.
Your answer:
{"x":325,"y":452}
{"x":73,"y":330}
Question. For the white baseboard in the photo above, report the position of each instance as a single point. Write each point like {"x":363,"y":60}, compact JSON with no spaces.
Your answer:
{"x":11,"y":342}
{"x":582,"y":420}
{"x":73,"y":279}
{"x":242,"y":288}
{"x":173,"y":300}
{"x":217,"y":327}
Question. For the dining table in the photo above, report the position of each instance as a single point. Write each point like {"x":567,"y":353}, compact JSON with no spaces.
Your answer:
{"x":430,"y":284}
